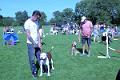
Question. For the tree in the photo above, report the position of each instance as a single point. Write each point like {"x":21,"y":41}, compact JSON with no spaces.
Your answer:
{"x":43,"y":18}
{"x":52,"y":20}
{"x":68,"y":14}
{"x":7,"y":21}
{"x":21,"y":17}
{"x":1,"y":15}
{"x":60,"y":17}
{"x":98,"y":10}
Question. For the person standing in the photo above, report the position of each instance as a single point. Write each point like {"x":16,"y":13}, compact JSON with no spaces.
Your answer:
{"x":33,"y":40}
{"x":86,"y":31}
{"x":95,"y":32}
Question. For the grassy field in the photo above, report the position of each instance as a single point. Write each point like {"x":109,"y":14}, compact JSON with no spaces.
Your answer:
{"x":14,"y":60}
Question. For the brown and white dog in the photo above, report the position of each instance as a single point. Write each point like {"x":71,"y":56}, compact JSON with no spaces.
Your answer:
{"x":46,"y":60}
{"x":74,"y":50}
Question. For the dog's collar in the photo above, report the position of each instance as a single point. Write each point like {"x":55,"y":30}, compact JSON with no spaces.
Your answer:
{"x":43,"y":60}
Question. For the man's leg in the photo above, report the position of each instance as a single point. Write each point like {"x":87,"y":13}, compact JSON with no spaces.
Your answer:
{"x":83,"y":49}
{"x":37,"y":54}
{"x":89,"y":45}
{"x":83,"y":45}
{"x":31,"y":56}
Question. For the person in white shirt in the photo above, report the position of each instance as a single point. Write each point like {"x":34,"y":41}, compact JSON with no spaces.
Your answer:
{"x":33,"y":40}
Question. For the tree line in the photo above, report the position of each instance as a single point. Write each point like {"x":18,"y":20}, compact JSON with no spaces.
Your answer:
{"x":107,"y":11}
{"x":19,"y":19}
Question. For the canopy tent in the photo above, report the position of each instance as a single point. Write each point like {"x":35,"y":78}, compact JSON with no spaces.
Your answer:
{"x":10,"y":36}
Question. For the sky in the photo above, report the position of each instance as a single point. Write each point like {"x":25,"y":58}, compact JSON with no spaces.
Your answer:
{"x":10,"y":7}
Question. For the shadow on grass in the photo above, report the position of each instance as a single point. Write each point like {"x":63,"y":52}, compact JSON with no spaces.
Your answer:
{"x":102,"y":54}
{"x":80,"y":50}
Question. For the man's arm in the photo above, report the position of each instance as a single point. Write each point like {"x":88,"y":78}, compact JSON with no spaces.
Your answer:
{"x":79,"y":33}
{"x":29,"y":37}
{"x":39,"y":39}
{"x":91,"y":27}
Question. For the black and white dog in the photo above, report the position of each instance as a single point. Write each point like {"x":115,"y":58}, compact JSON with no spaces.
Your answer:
{"x":46,"y":60}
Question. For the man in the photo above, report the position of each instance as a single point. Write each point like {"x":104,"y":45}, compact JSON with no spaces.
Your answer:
{"x":86,"y":31}
{"x":33,"y":40}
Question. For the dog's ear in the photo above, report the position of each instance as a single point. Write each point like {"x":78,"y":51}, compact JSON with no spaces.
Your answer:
{"x":49,"y":55}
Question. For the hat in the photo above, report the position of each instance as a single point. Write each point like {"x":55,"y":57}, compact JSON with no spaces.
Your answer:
{"x":83,"y":18}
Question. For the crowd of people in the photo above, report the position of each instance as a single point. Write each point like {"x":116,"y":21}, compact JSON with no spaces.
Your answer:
{"x":100,"y":28}
{"x":66,"y":28}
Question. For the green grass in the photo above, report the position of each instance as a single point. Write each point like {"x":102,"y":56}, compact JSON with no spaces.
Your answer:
{"x":14,"y":60}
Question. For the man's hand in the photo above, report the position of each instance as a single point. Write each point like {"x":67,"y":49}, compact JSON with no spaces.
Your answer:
{"x":40,"y":45}
{"x":35,"y":45}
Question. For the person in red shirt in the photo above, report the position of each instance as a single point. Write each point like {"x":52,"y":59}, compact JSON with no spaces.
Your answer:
{"x":86,"y":31}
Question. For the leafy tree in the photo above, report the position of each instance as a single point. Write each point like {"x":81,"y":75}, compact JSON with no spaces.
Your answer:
{"x":98,"y":10}
{"x":68,"y":14}
{"x":60,"y":17}
{"x":7,"y":21}
{"x":1,"y":17}
{"x":52,"y":20}
{"x":21,"y":17}
{"x":43,"y":18}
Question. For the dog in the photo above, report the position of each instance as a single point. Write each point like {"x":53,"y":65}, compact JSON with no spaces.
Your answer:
{"x":74,"y":50}
{"x":46,"y":60}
